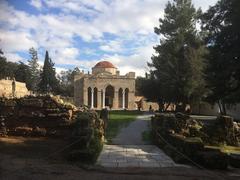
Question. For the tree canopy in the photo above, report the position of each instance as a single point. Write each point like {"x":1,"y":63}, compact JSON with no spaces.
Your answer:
{"x":179,"y":61}
{"x":66,"y":79}
{"x":222,"y":28}
{"x":34,"y":69}
{"x":48,"y":81}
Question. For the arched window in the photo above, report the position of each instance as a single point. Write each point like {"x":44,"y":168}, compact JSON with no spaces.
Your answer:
{"x":120,"y":98}
{"x":89,"y":96}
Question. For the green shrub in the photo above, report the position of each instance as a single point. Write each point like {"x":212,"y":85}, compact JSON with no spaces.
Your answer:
{"x":88,"y":137}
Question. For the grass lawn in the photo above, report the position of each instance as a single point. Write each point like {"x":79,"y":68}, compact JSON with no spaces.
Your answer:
{"x":118,"y":120}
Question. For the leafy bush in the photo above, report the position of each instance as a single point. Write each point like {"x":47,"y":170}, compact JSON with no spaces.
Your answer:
{"x":87,"y":137}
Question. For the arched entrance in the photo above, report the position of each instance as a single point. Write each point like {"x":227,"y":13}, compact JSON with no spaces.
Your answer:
{"x":89,"y":96}
{"x":120,"y":98}
{"x":95,"y":97}
{"x":126,"y":97}
{"x":109,"y":95}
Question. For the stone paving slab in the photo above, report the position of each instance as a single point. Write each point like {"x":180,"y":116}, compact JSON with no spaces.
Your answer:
{"x":134,"y":156}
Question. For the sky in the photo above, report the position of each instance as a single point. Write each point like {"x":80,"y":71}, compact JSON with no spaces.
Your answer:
{"x":79,"y":33}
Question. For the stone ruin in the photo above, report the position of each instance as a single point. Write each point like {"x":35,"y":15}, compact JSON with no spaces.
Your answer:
{"x":50,"y":116}
{"x":3,"y":129}
{"x":11,"y":88}
{"x":178,"y":132}
{"x":222,"y":131}
{"x":41,"y":115}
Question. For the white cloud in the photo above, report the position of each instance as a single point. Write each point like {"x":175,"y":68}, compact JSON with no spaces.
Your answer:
{"x":66,"y":56}
{"x":12,"y":41}
{"x":204,"y":4}
{"x":13,"y":57}
{"x":112,"y":46}
{"x":59,"y":69}
{"x":131,"y":21}
{"x":36,"y":3}
{"x":136,"y":62}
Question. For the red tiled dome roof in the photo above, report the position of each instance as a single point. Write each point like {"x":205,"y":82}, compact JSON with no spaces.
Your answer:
{"x":104,"y":64}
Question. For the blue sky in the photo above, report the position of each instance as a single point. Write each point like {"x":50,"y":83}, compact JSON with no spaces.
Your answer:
{"x":79,"y":33}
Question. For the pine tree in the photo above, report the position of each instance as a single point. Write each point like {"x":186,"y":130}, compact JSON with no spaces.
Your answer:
{"x":66,"y":79}
{"x":222,"y":26}
{"x":7,"y":68}
{"x":34,"y":70}
{"x":48,"y":81}
{"x":22,"y":74}
{"x":179,"y":64}
{"x":3,"y":63}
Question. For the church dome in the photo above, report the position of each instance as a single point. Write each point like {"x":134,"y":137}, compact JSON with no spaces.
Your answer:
{"x":104,"y":64}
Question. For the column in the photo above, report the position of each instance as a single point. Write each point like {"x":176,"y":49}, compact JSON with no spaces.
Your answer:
{"x":92,"y":96}
{"x":85,"y":97}
{"x":103,"y":96}
{"x":131,"y":100}
{"x":99,"y":99}
{"x":115,"y":100}
{"x":123,"y":99}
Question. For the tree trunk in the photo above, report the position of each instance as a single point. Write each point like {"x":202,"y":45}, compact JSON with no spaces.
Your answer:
{"x":165,"y":109}
{"x":181,"y":107}
{"x":160,"y":106}
{"x":222,"y":107}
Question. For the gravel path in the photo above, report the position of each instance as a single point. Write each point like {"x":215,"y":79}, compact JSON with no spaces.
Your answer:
{"x":132,"y":134}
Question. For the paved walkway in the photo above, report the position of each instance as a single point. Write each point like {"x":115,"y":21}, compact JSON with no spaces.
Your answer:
{"x":132,"y":134}
{"x":131,"y":151}
{"x":134,"y":156}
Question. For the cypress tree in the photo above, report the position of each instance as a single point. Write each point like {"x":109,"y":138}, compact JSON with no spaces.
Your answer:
{"x":48,"y":81}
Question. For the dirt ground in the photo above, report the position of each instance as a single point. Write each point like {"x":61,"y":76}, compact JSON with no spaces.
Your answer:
{"x":43,"y":158}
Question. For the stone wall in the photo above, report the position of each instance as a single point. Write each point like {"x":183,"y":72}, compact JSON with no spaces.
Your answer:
{"x":41,"y":115}
{"x":234,"y":111}
{"x":208,"y":109}
{"x":184,"y":138}
{"x":205,"y":108}
{"x":50,"y":116}
{"x":7,"y":89}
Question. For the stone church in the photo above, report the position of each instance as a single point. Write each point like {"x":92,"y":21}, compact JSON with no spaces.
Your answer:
{"x":105,"y":87}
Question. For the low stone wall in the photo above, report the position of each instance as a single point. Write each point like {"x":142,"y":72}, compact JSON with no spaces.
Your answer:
{"x":41,"y":115}
{"x":182,"y":137}
{"x":50,"y":116}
